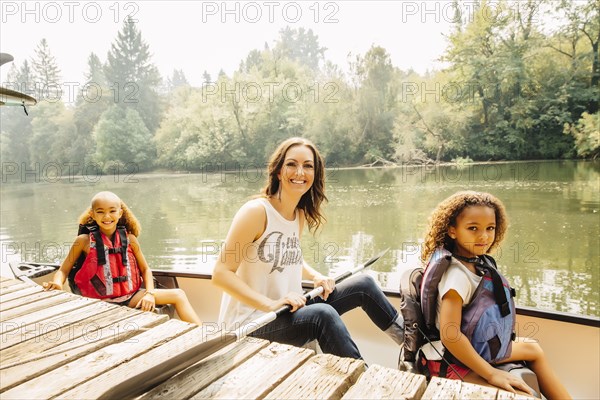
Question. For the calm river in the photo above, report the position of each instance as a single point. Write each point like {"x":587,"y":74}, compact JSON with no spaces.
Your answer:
{"x":551,"y":253}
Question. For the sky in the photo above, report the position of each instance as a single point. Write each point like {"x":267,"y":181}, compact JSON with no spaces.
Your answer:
{"x":195,"y":36}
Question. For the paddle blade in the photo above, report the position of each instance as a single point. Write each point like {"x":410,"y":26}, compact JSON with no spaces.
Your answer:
{"x":151,"y":377}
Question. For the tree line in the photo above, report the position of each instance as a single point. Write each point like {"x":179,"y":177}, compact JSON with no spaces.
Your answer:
{"x":511,"y":89}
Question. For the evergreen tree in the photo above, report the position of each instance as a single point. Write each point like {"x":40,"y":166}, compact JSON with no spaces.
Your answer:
{"x":132,"y":77}
{"x":46,"y":74}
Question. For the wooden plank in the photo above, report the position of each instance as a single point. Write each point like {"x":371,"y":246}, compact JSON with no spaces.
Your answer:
{"x":198,"y":376}
{"x":44,"y":314}
{"x":28,"y":308}
{"x":58,"y":380}
{"x":30,"y":298}
{"x":9,"y":282}
{"x":442,"y":389}
{"x":20,"y":293}
{"x":324,"y":376}
{"x":504,"y":395}
{"x":150,"y":359}
{"x":40,"y":336}
{"x":17,"y":372}
{"x":14,"y":287}
{"x":386,"y":383}
{"x":476,"y":392}
{"x":258,"y":375}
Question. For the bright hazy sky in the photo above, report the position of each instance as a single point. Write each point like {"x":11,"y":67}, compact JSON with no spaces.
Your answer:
{"x":209,"y":35}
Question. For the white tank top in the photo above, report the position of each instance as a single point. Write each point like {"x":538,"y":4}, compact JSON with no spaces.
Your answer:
{"x":271,"y":265}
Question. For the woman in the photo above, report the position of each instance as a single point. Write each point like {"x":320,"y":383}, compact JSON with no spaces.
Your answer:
{"x":261,"y":268}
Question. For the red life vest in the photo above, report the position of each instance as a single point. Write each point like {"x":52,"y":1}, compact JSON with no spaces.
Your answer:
{"x":108,"y":271}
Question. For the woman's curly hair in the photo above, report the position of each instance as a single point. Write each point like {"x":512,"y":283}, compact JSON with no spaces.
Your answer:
{"x":447,"y":211}
{"x":311,"y":201}
{"x":128,"y":220}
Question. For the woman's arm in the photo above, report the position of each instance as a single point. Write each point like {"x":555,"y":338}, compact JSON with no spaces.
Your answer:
{"x":461,"y":348}
{"x":81,"y":244}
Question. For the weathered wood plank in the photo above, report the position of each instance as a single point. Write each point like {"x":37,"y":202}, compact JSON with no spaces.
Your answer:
{"x":258,"y":375}
{"x":14,"y":287}
{"x":504,"y":395}
{"x":385,"y":383}
{"x":44,"y":314}
{"x":20,"y":293}
{"x":70,"y":375}
{"x":40,"y":336}
{"x":22,"y":301}
{"x":442,"y":389}
{"x":198,"y":376}
{"x":54,"y":298}
{"x":18,"y":372}
{"x":324,"y":376}
{"x":476,"y":392}
{"x":9,"y":282}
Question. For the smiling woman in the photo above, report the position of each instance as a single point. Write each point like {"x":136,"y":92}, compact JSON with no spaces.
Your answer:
{"x":261,"y":267}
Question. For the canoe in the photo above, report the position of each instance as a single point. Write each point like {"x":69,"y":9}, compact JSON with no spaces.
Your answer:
{"x":571,"y":342}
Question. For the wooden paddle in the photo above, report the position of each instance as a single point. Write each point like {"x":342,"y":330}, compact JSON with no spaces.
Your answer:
{"x":147,"y":379}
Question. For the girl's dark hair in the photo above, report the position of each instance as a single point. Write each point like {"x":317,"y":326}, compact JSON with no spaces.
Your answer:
{"x":311,"y":201}
{"x":445,"y":214}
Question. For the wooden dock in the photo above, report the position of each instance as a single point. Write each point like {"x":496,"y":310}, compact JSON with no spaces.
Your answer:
{"x":59,"y":345}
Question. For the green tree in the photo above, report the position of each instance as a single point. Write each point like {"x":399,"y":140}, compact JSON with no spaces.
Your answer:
{"x":301,"y":46}
{"x":15,"y":125}
{"x":132,"y":77}
{"x":376,"y":101}
{"x":123,"y":140}
{"x":45,"y":73}
{"x":93,"y":99}
{"x":587,"y":135}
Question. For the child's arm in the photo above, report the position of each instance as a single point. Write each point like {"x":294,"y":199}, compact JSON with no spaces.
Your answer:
{"x":461,"y":348}
{"x":80,"y":244}
{"x":148,"y":302}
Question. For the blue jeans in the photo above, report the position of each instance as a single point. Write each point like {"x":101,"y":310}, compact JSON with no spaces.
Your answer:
{"x":321,"y":320}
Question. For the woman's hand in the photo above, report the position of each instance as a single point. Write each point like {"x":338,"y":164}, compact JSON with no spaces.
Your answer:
{"x":295,"y":300}
{"x":147,"y":303}
{"x":51,"y":286}
{"x":326,"y":282}
{"x":507,"y":381}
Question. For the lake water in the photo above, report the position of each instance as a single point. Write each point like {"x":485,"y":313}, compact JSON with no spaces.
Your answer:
{"x":551,"y":253}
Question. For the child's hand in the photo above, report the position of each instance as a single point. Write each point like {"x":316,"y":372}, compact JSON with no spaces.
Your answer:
{"x":146,"y":303}
{"x":51,"y":286}
{"x":507,"y":381}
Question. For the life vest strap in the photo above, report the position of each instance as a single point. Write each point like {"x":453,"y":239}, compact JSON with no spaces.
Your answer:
{"x":499,"y":293}
{"x":120,"y":279}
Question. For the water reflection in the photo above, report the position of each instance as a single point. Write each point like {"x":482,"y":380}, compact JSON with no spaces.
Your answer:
{"x":550,"y":254}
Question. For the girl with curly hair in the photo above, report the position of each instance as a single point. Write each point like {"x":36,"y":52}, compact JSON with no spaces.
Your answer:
{"x":470,"y":225}
{"x":261,"y":266}
{"x":110,"y":262}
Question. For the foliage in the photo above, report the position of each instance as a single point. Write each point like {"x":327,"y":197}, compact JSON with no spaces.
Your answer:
{"x":587,"y":134}
{"x":511,"y":89}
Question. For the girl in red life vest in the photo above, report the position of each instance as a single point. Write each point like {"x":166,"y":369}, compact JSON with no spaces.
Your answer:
{"x":470,"y":225}
{"x":111,"y":265}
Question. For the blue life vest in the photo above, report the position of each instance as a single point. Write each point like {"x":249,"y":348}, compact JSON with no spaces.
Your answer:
{"x":488,"y":321}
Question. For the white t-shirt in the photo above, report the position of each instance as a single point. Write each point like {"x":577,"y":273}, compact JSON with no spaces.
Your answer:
{"x":271,"y":265}
{"x":459,"y":278}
